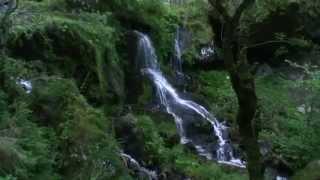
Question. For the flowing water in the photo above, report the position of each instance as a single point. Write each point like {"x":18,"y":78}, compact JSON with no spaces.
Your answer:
{"x":27,"y":85}
{"x":142,"y":171}
{"x":176,"y":62}
{"x":207,"y":51}
{"x":183,"y":110}
{"x":281,"y":178}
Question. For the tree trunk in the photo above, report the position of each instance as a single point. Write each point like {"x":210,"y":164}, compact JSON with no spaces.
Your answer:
{"x":244,"y":86}
{"x":247,"y":101}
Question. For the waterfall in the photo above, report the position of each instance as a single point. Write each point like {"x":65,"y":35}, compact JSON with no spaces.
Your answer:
{"x":184,"y":110}
{"x":181,"y":42}
{"x":25,"y":84}
{"x":176,"y":62}
{"x":281,"y":178}
{"x":134,"y":164}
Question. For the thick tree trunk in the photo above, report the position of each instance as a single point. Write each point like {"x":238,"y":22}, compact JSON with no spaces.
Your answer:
{"x":247,"y":100}
{"x":243,"y":84}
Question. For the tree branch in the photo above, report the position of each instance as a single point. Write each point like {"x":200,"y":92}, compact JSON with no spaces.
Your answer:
{"x":243,"y":6}
{"x":266,"y":43}
{"x":217,"y":4}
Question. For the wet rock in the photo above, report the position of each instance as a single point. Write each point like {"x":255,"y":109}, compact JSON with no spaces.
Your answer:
{"x":199,"y":127}
{"x":127,"y":133}
{"x":264,"y":70}
{"x":133,"y":77}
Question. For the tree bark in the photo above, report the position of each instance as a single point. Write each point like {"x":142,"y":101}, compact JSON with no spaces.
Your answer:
{"x":247,"y":101}
{"x":243,"y":84}
{"x":242,"y":79}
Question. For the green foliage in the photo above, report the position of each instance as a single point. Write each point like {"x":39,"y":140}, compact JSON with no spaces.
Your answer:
{"x":282,"y":121}
{"x":90,"y":38}
{"x":86,"y":148}
{"x":52,"y":132}
{"x":190,"y":165}
{"x":27,"y":151}
{"x":85,"y":143}
{"x":293,"y":133}
{"x":310,"y":172}
{"x":217,"y":89}
{"x":154,"y":144}
{"x":193,"y":15}
{"x":177,"y":158}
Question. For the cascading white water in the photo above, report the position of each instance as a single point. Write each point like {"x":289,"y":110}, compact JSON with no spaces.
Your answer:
{"x":281,"y":178}
{"x":207,"y":51}
{"x":178,"y":107}
{"x":177,"y":60}
{"x":143,"y":172}
{"x":27,"y":85}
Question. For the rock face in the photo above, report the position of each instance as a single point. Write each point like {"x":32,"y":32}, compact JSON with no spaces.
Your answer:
{"x":133,"y":78}
{"x":264,"y":70}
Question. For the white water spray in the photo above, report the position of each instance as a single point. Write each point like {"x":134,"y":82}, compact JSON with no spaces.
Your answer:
{"x":134,"y":164}
{"x":27,"y":85}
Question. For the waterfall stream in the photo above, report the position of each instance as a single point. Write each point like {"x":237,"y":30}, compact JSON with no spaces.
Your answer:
{"x":142,"y":171}
{"x":25,"y":84}
{"x":281,"y":178}
{"x":183,"y":110}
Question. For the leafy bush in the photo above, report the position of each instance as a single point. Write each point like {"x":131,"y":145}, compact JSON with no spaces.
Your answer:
{"x":285,"y":123}
{"x":217,"y":89}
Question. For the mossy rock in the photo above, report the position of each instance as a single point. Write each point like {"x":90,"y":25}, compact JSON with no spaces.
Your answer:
{"x":311,"y":172}
{"x":78,"y":46}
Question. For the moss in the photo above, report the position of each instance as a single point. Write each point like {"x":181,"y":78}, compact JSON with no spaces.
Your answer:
{"x":79,"y":46}
{"x":86,"y":146}
{"x":217,"y":89}
{"x":194,"y":17}
{"x":25,"y":148}
{"x":53,"y":131}
{"x":147,"y":95}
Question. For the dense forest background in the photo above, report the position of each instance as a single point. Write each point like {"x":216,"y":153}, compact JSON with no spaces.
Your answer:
{"x":71,"y":99}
